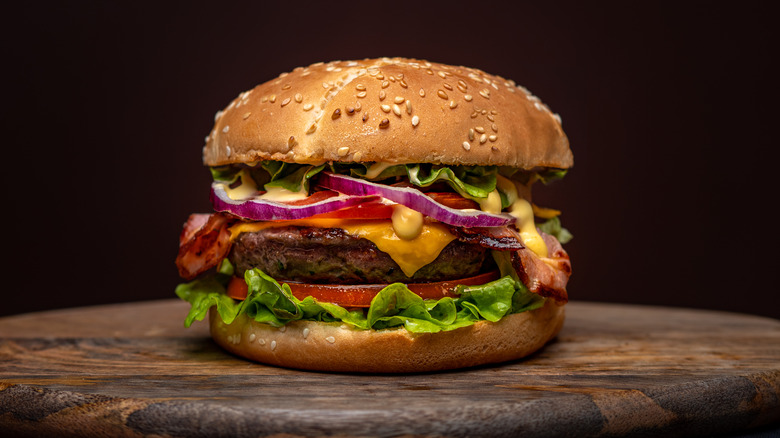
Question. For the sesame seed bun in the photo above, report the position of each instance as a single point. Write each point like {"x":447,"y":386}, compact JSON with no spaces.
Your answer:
{"x":337,"y":347}
{"x":393,"y":110}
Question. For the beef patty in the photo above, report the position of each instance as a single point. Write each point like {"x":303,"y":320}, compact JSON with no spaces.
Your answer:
{"x":330,"y":255}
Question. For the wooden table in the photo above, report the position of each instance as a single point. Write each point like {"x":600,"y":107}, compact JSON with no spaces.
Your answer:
{"x":133,"y":370}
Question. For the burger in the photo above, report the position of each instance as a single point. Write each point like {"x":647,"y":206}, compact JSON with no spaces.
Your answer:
{"x":376,"y":216}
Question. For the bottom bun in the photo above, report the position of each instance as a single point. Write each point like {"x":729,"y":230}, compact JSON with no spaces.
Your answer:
{"x":322,"y":346}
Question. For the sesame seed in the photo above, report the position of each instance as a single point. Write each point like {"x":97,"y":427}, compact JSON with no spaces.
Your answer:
{"x":336,"y":114}
{"x":491,"y":118}
{"x":466,"y":145}
{"x":285,"y":101}
{"x":400,"y":75}
{"x":494,"y":112}
{"x":283,"y":328}
{"x":385,"y":108}
{"x":462,"y":83}
{"x":493,"y":137}
{"x":385,"y":84}
{"x":306,"y":333}
{"x":399,"y":99}
{"x":468,"y":97}
{"x":380,"y":76}
{"x":384,"y":123}
{"x":246,"y":115}
{"x":372,"y":71}
{"x":358,"y":106}
{"x":557,"y":117}
{"x":291,"y":141}
{"x":538,"y":106}
{"x":397,"y":110}
{"x":227,"y":151}
{"x":273,"y":345}
{"x":442,"y":74}
{"x":350,"y":110}
{"x":331,"y":339}
{"x":298,"y":97}
{"x":382,"y":95}
{"x":392,"y":78}
{"x":360,"y":87}
{"x":226,"y":129}
{"x":286,"y":87}
{"x":403,"y":83}
{"x":415,"y":121}
{"x":448,"y":86}
{"x":325,"y":85}
{"x":306,"y":73}
{"x":442,"y":94}
{"x":365,"y":117}
{"x":422,"y":92}
{"x":307,"y":107}
{"x":482,"y":138}
{"x":480,"y":129}
{"x":474,"y":115}
{"x":485,"y":93}
{"x":272,"y":99}
{"x":312,"y":128}
{"x":252,"y":337}
{"x":429,"y":71}
{"x":361,"y":95}
{"x":357,"y":156}
{"x":408,"y":107}
{"x":471,"y":134}
{"x":261,"y":341}
{"x":494,"y":127}
{"x":343,"y":151}
{"x":461,"y":89}
{"x":493,"y":148}
{"x":483,"y":112}
{"x":453,"y":104}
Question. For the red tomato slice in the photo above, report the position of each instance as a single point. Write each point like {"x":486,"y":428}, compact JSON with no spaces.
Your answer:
{"x":368,"y":210}
{"x":452,"y":200}
{"x":314,"y":197}
{"x":360,"y":295}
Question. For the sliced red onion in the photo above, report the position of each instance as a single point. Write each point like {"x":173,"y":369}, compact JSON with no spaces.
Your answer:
{"x":414,"y":199}
{"x":264,"y":210}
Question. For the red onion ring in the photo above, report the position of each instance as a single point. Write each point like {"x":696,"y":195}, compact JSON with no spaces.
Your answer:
{"x":414,"y":199}
{"x":264,"y":210}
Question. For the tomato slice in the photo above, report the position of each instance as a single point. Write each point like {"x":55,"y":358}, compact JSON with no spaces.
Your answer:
{"x":360,"y":295}
{"x":314,"y":197}
{"x":452,"y":200}
{"x":367,"y":210}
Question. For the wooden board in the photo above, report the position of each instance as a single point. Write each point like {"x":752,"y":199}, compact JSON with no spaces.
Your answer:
{"x":133,"y":370}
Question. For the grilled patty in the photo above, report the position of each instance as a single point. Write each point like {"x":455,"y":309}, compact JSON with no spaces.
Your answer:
{"x":330,"y":255}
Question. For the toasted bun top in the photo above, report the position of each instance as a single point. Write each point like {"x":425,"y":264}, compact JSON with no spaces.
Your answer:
{"x":394,"y":110}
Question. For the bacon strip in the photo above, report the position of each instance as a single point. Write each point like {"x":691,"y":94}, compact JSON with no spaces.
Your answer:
{"x":204,"y":241}
{"x":497,"y":238}
{"x":546,"y":276}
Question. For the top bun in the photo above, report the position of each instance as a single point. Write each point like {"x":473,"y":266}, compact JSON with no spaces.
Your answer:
{"x":394,"y":110}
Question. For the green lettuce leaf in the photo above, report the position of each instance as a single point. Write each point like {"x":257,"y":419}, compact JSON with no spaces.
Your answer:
{"x":395,"y":306}
{"x":290,"y":176}
{"x":553,"y":227}
{"x":469,"y":181}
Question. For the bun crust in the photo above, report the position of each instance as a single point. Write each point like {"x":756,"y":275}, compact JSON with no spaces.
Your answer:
{"x":394,"y":110}
{"x":336,"y":347}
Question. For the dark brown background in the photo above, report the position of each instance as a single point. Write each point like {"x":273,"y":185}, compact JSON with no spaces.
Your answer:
{"x":670,"y":110}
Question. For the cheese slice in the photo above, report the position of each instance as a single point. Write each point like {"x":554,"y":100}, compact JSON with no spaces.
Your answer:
{"x":410,"y":254}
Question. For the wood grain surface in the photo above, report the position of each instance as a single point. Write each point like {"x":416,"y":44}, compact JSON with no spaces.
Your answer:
{"x":615,"y":370}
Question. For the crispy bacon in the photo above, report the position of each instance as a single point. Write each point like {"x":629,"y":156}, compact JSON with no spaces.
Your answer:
{"x":204,"y":241}
{"x":546,"y":276}
{"x":498,"y":238}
